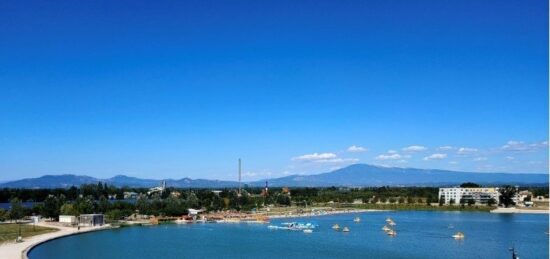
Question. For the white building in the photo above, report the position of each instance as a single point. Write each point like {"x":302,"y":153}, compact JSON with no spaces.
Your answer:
{"x":480,"y":195}
{"x":67,"y":219}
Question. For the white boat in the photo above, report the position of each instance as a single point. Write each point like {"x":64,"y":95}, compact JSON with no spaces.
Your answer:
{"x":308,"y":231}
{"x":345,"y":229}
{"x":391,"y":233}
{"x":386,"y":228}
{"x":296,"y":226}
{"x":357,"y":219}
{"x":458,"y":235}
{"x":335,"y":226}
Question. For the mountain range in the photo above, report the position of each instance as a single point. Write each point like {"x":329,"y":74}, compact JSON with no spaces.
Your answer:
{"x":357,"y":175}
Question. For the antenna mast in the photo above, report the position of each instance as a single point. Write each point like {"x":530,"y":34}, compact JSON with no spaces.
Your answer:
{"x":239,"y":177}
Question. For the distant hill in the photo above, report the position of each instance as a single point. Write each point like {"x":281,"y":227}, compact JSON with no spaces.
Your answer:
{"x":351,"y":176}
{"x":368,"y":175}
{"x":68,"y":180}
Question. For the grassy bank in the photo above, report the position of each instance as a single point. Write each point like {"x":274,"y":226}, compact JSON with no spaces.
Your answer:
{"x":9,"y":232}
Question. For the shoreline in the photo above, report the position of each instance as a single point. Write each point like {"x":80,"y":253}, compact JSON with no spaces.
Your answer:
{"x":15,"y":250}
{"x":309,"y":214}
{"x":519,"y":211}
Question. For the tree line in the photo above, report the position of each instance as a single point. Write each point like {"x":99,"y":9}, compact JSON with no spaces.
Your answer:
{"x":102,"y":198}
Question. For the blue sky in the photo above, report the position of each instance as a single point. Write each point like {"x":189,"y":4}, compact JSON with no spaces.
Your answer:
{"x":184,"y":88}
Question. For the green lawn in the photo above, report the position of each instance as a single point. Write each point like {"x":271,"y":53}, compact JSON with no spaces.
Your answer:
{"x":9,"y":232}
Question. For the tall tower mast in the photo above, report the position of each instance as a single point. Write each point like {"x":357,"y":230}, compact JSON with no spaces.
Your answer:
{"x":239,"y":176}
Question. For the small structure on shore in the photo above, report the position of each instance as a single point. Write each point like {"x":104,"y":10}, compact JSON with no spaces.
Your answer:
{"x":67,"y":219}
{"x":91,"y":220}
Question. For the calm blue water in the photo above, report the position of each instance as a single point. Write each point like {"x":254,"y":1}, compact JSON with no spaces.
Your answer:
{"x":27,"y":204}
{"x":421,"y":234}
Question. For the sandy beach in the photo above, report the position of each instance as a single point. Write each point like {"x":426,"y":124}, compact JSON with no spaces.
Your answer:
{"x":13,"y":250}
{"x":516,"y":210}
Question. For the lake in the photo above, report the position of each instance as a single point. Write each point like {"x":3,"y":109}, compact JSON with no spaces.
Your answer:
{"x":421,"y":234}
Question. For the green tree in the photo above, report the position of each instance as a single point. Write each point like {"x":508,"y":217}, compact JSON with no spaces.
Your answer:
{"x":491,"y":202}
{"x":507,"y":194}
{"x":216,"y":203}
{"x":471,"y":202}
{"x":68,"y":209}
{"x":174,"y":207}
{"x":143,"y":205}
{"x":4,"y":215}
{"x":470,"y":185}
{"x":51,"y":207}
{"x":115,"y":214}
{"x":16,"y":209}
{"x":192,"y":201}
{"x":103,"y":205}
{"x":85,"y":205}
{"x":283,"y":199}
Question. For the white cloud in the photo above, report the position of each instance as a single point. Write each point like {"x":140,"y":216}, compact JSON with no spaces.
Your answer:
{"x":323,"y":158}
{"x":453,"y":162}
{"x":338,"y":160}
{"x":356,"y":149}
{"x":393,"y":156}
{"x":388,"y":157}
{"x":521,"y":146}
{"x":437,"y":156}
{"x":414,"y":148}
{"x":510,"y":158}
{"x":481,"y":158}
{"x":446,"y":148}
{"x":466,"y":150}
{"x":314,"y":156}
